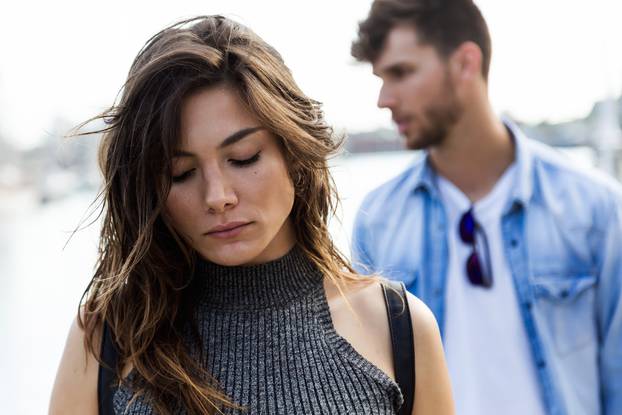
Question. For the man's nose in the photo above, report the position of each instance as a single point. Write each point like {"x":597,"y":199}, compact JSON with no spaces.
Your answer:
{"x":386,"y":97}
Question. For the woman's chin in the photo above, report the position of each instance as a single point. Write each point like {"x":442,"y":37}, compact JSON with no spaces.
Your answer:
{"x":231,"y":256}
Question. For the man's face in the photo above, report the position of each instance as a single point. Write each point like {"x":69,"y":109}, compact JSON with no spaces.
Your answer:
{"x":417,"y":88}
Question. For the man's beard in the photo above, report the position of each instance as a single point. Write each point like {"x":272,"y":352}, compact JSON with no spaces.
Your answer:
{"x":438,"y":119}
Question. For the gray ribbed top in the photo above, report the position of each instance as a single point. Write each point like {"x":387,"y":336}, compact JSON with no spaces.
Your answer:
{"x":270,"y":342}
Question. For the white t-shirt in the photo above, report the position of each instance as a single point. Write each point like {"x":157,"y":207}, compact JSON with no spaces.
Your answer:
{"x":486,"y":345}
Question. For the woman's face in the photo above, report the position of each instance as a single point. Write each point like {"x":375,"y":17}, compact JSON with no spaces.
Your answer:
{"x":231,"y":194}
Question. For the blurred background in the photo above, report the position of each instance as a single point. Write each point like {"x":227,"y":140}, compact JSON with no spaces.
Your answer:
{"x":556,"y":70}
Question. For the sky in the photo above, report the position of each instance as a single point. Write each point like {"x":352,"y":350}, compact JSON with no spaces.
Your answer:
{"x":64,"y":61}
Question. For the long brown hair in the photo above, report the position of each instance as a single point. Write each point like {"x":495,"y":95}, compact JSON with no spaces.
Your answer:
{"x":141,"y":285}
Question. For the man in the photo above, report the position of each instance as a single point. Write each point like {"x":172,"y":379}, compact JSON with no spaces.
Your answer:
{"x":517,"y":253}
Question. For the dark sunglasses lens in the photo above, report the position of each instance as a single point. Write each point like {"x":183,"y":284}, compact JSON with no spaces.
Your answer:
{"x":467,"y":227}
{"x":474,"y":270}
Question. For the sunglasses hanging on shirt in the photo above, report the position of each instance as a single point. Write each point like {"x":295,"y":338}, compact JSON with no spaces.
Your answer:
{"x":478,"y":272}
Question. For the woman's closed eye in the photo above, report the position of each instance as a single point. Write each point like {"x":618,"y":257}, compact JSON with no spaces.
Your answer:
{"x":245,"y":162}
{"x":183,"y":176}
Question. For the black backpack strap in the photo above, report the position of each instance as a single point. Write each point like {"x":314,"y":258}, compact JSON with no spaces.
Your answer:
{"x":402,"y":341}
{"x":107,"y":378}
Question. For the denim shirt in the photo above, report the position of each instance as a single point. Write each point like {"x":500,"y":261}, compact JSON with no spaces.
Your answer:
{"x":562,"y":235}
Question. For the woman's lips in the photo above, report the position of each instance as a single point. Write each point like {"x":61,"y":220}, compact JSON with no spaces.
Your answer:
{"x":228,"y":230}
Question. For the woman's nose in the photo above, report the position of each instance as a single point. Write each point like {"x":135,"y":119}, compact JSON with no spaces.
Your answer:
{"x":219,"y":195}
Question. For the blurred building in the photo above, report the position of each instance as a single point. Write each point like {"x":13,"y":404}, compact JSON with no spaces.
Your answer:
{"x":61,"y":164}
{"x":10,"y":172}
{"x":600,"y":130}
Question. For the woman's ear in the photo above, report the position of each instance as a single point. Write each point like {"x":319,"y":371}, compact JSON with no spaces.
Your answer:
{"x":466,"y":62}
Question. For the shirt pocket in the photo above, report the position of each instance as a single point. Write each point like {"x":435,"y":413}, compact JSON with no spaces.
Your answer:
{"x":566,"y":305}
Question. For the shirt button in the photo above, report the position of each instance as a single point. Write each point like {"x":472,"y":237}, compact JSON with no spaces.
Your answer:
{"x":541,"y":364}
{"x":514,"y":243}
{"x":528,"y":305}
{"x":438,"y":292}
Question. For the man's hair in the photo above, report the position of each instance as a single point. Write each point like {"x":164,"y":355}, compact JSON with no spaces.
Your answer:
{"x":443,"y":24}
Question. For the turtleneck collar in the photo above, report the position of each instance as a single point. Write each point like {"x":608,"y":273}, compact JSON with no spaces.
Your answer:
{"x":268,"y":285}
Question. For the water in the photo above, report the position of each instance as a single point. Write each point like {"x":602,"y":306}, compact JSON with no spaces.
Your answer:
{"x":42,"y":282}
{"x":41,"y":286}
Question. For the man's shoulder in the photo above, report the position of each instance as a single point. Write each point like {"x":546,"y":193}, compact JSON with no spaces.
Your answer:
{"x":395,"y":188}
{"x":564,"y":176}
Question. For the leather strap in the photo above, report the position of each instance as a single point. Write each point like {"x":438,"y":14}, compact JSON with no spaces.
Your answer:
{"x":107,"y":378}
{"x":402,"y":342}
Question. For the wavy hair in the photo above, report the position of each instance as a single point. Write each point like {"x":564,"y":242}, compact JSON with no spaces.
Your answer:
{"x":142,"y":284}
{"x":444,"y":24}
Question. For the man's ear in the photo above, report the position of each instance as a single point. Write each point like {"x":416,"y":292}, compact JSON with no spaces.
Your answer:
{"x":466,"y":62}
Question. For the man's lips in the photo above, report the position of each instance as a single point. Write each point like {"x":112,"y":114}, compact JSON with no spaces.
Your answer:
{"x":402,"y":124}
{"x":227,"y":230}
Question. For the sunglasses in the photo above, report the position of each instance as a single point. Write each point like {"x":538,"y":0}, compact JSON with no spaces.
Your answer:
{"x":477,"y":274}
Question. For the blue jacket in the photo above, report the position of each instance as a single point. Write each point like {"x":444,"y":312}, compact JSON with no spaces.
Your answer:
{"x":562,"y":235}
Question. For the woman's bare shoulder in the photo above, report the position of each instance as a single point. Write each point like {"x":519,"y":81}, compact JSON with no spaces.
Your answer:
{"x":432,"y":388}
{"x":359,"y":315}
{"x":425,"y":326}
{"x":363,"y":297}
{"x":75,"y":386}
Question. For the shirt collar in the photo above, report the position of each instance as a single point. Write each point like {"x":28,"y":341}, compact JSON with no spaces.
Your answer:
{"x":424,"y":176}
{"x":523,"y":190}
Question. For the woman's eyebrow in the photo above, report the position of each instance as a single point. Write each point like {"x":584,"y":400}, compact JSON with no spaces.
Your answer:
{"x":237,"y":136}
{"x":232,"y":139}
{"x":182,"y":153}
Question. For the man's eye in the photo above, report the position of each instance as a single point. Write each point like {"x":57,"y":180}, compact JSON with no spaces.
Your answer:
{"x":183,"y":176}
{"x":399,"y":73}
{"x":245,"y":162}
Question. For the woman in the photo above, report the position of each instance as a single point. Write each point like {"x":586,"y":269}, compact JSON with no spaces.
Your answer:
{"x":218,"y":288}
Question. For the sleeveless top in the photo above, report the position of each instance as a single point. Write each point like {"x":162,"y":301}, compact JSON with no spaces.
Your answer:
{"x":269,"y":340}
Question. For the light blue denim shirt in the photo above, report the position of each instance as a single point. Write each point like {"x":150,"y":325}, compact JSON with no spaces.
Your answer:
{"x":562,"y":235}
